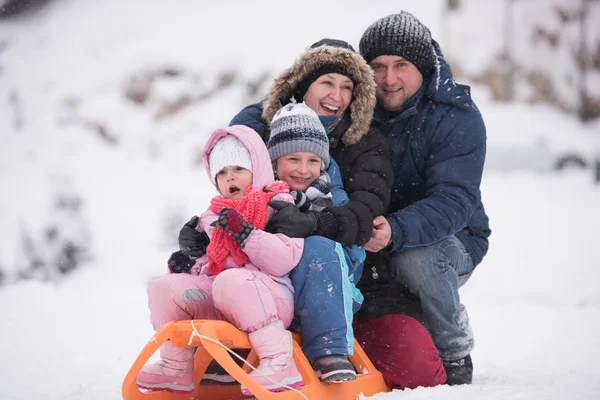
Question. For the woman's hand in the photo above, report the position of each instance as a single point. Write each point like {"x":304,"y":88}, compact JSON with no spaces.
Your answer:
{"x":290,"y":221}
{"x":192,"y":242}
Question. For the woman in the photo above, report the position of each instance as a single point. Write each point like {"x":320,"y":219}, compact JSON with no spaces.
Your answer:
{"x":336,"y":82}
{"x":321,"y":77}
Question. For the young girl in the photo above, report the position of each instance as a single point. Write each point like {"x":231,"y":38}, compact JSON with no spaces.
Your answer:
{"x":242,"y":278}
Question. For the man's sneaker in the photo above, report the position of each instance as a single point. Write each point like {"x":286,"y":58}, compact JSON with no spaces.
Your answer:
{"x":459,"y":372}
{"x":216,"y":375}
{"x":334,"y":369}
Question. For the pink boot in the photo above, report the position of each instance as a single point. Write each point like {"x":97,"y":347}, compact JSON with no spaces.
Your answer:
{"x":174,"y":372}
{"x":273,"y":345}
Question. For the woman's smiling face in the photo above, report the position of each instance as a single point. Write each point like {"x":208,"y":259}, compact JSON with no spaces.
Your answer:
{"x":330,"y":94}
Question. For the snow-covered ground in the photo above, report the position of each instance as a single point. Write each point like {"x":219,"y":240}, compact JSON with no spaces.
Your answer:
{"x":534,"y":302}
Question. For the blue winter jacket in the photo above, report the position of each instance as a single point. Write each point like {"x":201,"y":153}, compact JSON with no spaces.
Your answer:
{"x":437,"y":146}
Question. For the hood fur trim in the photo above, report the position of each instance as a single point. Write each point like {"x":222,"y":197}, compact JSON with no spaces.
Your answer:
{"x":363,"y":103}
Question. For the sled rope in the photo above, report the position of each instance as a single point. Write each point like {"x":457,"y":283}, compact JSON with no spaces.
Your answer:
{"x":196,"y":333}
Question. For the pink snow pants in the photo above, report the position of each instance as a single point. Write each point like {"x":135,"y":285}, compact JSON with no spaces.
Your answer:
{"x":248,"y":299}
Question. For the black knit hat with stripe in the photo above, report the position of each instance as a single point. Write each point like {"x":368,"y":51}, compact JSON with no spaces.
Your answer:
{"x":327,"y":68}
{"x":399,"y":35}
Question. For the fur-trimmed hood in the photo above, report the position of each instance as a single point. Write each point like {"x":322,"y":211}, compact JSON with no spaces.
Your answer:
{"x":363,"y":101}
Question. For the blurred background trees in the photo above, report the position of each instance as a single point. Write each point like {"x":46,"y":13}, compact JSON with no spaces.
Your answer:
{"x":551,"y":59}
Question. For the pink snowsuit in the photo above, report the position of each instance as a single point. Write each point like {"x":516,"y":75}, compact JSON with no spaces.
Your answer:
{"x":249,"y":297}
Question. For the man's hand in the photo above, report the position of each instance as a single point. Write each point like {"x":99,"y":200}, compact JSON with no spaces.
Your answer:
{"x":290,"y":221}
{"x":381,"y":236}
{"x":192,"y":242}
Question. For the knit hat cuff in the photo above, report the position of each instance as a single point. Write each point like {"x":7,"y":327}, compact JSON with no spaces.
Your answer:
{"x":290,"y":144}
{"x":228,"y":151}
{"x":324,"y":69}
{"x":399,"y":35}
{"x":297,"y":128}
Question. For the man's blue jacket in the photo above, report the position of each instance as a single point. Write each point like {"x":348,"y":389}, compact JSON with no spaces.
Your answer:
{"x":437,"y":145}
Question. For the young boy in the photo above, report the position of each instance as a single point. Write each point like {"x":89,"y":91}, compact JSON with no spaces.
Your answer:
{"x":299,"y":150}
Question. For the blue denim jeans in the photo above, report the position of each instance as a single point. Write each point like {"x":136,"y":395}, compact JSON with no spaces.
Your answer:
{"x":326,"y":297}
{"x":434,"y":273}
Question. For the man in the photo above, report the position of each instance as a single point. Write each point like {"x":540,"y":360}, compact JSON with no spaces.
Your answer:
{"x":436,"y":230}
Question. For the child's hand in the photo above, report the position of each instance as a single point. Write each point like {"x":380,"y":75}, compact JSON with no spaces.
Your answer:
{"x":301,"y":200}
{"x":179,"y":262}
{"x":233,"y":223}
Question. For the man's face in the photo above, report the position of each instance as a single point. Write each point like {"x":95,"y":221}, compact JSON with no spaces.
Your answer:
{"x":397,"y":81}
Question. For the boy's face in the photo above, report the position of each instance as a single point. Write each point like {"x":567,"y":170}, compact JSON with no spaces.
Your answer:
{"x":232,"y":181}
{"x":299,"y":170}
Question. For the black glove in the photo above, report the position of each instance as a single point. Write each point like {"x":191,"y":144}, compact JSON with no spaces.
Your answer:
{"x":233,"y":223}
{"x":301,"y":200}
{"x":179,"y":262}
{"x":192,"y":242}
{"x":292,"y":222}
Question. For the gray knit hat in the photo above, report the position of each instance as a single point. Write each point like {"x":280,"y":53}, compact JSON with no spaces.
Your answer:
{"x":295,"y":128}
{"x":399,"y":35}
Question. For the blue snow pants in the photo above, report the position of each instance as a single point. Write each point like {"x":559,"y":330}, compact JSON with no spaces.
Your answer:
{"x":326,"y":296}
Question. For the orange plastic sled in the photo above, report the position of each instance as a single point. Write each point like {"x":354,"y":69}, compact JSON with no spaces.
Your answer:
{"x":185,"y":334}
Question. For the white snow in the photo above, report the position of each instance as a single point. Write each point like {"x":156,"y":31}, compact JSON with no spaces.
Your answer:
{"x":534,"y":302}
